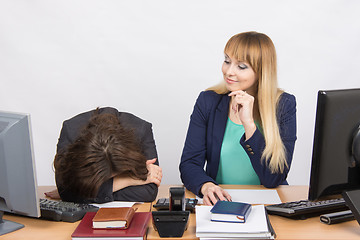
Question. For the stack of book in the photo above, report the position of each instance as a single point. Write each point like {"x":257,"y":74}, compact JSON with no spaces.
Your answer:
{"x":256,"y":225}
{"x":127,"y":225}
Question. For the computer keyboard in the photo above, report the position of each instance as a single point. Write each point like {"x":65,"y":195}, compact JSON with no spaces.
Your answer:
{"x":163,"y":204}
{"x":305,"y":208}
{"x":64,"y":211}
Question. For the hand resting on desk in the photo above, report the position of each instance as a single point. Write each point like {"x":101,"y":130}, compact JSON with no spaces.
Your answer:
{"x":54,"y":194}
{"x":212,"y":193}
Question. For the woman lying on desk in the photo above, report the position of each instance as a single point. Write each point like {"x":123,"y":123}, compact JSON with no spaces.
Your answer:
{"x":102,"y":156}
{"x":244,"y":128}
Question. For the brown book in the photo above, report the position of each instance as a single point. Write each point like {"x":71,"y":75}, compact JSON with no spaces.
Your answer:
{"x":119,"y":217}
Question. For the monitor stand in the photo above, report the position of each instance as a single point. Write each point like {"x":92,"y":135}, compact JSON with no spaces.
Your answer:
{"x":7,"y":226}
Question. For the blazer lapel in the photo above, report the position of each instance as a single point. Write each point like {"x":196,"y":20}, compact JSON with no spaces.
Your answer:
{"x":221,"y":116}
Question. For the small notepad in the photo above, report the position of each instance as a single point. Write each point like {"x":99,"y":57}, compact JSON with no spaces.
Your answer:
{"x":224,"y":211}
{"x":113,"y":217}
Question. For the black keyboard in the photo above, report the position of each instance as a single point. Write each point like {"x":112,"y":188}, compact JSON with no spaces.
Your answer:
{"x":163,"y":204}
{"x":305,"y":208}
{"x":64,"y":211}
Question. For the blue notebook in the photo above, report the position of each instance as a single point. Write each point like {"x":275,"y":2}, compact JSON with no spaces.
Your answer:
{"x":224,"y":211}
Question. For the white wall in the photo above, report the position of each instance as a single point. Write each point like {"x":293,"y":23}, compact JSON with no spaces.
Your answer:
{"x":152,"y":58}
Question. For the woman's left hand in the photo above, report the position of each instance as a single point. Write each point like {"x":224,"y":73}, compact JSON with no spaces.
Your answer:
{"x":54,"y":194}
{"x":242,"y":106}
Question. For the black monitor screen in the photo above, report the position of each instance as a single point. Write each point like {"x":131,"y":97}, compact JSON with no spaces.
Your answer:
{"x":335,"y":158}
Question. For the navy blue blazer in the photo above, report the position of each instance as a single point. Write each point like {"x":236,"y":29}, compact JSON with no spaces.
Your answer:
{"x":205,"y":135}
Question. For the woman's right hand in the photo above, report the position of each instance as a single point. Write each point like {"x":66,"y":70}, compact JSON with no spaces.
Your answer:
{"x":212,"y":193}
{"x":154,"y":172}
{"x":154,"y":176}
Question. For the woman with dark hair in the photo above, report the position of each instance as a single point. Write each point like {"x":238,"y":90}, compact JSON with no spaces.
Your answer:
{"x":102,"y":156}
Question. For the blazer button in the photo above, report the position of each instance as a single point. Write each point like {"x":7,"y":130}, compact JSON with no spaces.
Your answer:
{"x":252,"y":153}
{"x":247,"y":145}
{"x":249,"y":149}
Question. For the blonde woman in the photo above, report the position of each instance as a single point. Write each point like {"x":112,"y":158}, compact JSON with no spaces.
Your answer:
{"x":244,"y":129}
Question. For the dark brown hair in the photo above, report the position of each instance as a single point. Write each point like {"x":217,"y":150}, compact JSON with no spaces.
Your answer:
{"x":104,"y":149}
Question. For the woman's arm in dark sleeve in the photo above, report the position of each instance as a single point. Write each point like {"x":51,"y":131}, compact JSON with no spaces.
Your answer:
{"x":140,"y":193}
{"x":194,"y":153}
{"x":256,"y":144}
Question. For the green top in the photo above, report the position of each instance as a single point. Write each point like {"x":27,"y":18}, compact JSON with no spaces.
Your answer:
{"x":235,"y":166}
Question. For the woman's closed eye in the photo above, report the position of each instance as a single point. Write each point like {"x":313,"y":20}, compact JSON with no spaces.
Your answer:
{"x":243,"y":66}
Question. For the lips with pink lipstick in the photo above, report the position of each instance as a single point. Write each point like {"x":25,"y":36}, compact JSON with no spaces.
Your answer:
{"x":230,"y":81}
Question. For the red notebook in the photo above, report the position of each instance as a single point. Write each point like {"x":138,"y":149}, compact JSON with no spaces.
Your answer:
{"x":136,"y":230}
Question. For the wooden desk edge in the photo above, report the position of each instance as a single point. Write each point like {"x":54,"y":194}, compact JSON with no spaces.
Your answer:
{"x":42,"y":229}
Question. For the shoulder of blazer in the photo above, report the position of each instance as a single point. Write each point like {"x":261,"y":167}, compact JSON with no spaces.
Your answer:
{"x":130,"y":120}
{"x":210,"y":95}
{"x":124,"y":117}
{"x":287,"y":97}
{"x":76,"y":123}
{"x":286,"y":105}
{"x":211,"y":100}
{"x":85,"y":116}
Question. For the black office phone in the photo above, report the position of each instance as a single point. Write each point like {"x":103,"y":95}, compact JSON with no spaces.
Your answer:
{"x":163,"y":204}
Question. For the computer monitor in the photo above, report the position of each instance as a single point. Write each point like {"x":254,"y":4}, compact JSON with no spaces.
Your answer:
{"x":336,"y":148}
{"x":18,"y":186}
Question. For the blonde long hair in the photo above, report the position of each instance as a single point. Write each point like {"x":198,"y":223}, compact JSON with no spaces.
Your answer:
{"x":258,"y":50}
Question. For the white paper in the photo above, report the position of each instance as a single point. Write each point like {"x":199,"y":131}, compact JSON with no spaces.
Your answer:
{"x":114,"y":204}
{"x":256,"y":224}
{"x":255,"y":196}
{"x":252,"y":196}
